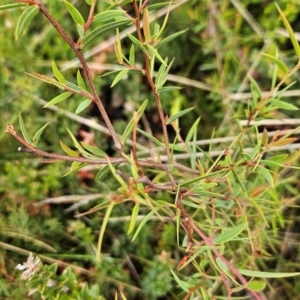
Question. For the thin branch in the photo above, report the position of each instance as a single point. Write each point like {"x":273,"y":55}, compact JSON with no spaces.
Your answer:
{"x":87,"y":72}
{"x":209,"y":242}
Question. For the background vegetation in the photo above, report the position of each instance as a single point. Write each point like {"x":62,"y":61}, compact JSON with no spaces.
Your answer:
{"x":42,"y":211}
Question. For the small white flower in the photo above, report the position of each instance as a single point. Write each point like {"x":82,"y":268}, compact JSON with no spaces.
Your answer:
{"x":31,"y":267}
{"x":51,"y":283}
{"x":65,"y":289}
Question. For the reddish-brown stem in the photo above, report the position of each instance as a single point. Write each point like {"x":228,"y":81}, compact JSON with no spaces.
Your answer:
{"x":91,"y":16}
{"x":153,"y":87}
{"x":87,"y":72}
{"x":101,"y":161}
{"x":209,"y":242}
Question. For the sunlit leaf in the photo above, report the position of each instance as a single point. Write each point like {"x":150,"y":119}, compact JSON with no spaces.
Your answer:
{"x":80,"y":81}
{"x":278,"y":62}
{"x":75,"y":167}
{"x":284,"y":141}
{"x":290,"y":31}
{"x":259,"y":274}
{"x":144,"y":221}
{"x":134,"y":39}
{"x":118,"y":47}
{"x":93,"y":150}
{"x":221,"y":264}
{"x":68,"y":150}
{"x":102,"y":173}
{"x":57,"y":73}
{"x":108,"y":15}
{"x":132,"y":55}
{"x":283,"y":105}
{"x":103,"y":229}
{"x":156,"y":54}
{"x":264,"y":137}
{"x":77,"y":144}
{"x":167,"y":89}
{"x":83,"y":105}
{"x":75,"y":14}
{"x":25,"y":19}
{"x":179,"y":115}
{"x":120,"y":76}
{"x":58,"y":99}
{"x":146,"y":27}
{"x":170,"y":38}
{"x":267,"y":175}
{"x":13,"y":5}
{"x":134,"y":215}
{"x":23,"y":130}
{"x":230,"y":234}
{"x":256,"y":285}
{"x":98,"y":32}
{"x":134,"y":120}
{"x":38,"y":134}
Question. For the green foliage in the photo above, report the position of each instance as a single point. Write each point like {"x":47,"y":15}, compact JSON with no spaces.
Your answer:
{"x":158,"y":210}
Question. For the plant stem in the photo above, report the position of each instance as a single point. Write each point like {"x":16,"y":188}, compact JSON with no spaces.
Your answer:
{"x":86,"y":69}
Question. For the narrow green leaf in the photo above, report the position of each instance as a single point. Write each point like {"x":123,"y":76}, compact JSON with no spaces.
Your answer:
{"x":134,"y":40}
{"x":278,"y":62}
{"x":89,"y":2}
{"x":38,"y":134}
{"x":134,"y":215}
{"x":103,"y":229}
{"x":283,"y":105}
{"x":25,"y":19}
{"x":150,"y":137}
{"x":229,"y":234}
{"x":58,"y":99}
{"x":170,"y":38}
{"x":23,"y":130}
{"x":13,"y":5}
{"x":80,"y":81}
{"x":256,"y":285}
{"x":146,"y":28}
{"x":221,"y":264}
{"x":179,"y":115}
{"x":108,"y":15}
{"x":136,"y":118}
{"x":259,"y":274}
{"x":290,"y":31}
{"x":83,"y":105}
{"x":117,"y":176}
{"x":75,"y":167}
{"x":132,"y":55}
{"x":183,"y":284}
{"x":93,"y":150}
{"x":264,"y":137}
{"x":102,"y":173}
{"x":168,"y":88}
{"x":192,"y":131}
{"x":144,"y":221}
{"x":80,"y":30}
{"x":119,"y":77}
{"x":165,"y":21}
{"x":284,"y":141}
{"x":255,"y":87}
{"x":73,"y":87}
{"x":77,"y":144}
{"x":75,"y":14}
{"x":68,"y":150}
{"x":156,"y":54}
{"x":98,"y":32}
{"x":57,"y":73}
{"x":267,"y":175}
{"x":118,"y":47}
